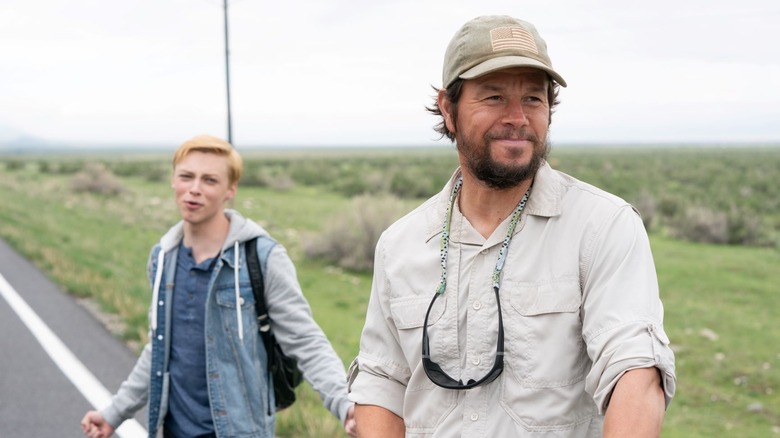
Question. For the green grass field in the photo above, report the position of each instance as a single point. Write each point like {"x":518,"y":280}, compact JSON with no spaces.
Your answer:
{"x":721,"y":300}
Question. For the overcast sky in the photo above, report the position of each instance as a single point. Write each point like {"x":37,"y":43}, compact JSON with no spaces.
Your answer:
{"x":349,"y":72}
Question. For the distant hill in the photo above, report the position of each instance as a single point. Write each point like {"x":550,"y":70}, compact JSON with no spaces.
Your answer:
{"x":27,"y":144}
{"x":13,"y":139}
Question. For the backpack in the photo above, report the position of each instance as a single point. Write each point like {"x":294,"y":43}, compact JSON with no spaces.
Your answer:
{"x":284,"y":370}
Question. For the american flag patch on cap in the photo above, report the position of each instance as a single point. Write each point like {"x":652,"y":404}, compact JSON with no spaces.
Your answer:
{"x":512,"y":38}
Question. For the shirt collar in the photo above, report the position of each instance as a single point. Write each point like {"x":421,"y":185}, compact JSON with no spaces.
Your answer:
{"x":545,"y":200}
{"x":547,"y":193}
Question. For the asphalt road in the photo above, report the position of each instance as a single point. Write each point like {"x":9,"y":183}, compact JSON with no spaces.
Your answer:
{"x":43,"y":396}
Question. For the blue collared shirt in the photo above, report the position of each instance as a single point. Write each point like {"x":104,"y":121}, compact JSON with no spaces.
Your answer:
{"x":189,"y":412}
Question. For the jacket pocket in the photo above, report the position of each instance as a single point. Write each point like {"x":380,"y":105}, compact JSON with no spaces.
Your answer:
{"x":226,"y":297}
{"x":226,"y":304}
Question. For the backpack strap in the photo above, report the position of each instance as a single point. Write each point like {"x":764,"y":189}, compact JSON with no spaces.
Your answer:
{"x":258,"y":285}
{"x":284,"y":371}
{"x":258,"y":288}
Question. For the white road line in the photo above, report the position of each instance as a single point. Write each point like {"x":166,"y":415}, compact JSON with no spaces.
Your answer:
{"x":79,"y":375}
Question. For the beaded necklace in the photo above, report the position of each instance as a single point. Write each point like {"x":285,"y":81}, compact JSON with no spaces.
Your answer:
{"x":433,"y":370}
{"x":445,"y":237}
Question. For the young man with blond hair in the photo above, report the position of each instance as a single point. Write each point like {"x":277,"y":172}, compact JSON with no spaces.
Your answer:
{"x":204,"y":371}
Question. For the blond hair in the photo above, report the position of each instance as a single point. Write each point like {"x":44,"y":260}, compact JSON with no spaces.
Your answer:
{"x":213,"y":145}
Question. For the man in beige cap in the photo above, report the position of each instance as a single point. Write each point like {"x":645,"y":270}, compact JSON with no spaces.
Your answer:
{"x":519,"y":301}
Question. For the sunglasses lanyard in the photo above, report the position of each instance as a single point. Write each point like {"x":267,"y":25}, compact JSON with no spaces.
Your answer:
{"x":445,"y":238}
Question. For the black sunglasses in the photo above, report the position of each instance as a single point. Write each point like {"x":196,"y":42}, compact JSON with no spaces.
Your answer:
{"x":440,"y":378}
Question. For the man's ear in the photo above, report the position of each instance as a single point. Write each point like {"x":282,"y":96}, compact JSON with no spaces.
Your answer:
{"x":231,"y":194}
{"x":445,"y":106}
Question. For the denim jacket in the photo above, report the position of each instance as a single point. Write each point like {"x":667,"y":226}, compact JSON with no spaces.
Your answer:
{"x":240,"y":396}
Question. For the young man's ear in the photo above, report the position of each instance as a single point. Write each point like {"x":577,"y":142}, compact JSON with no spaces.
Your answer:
{"x":231,"y":193}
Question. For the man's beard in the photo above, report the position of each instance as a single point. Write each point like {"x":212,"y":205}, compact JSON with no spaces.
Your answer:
{"x":496,"y":175}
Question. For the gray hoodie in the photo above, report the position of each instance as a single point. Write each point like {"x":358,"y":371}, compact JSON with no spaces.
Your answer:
{"x":294,"y":327}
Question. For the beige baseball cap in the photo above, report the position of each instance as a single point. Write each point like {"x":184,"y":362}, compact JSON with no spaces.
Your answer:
{"x":495,"y":42}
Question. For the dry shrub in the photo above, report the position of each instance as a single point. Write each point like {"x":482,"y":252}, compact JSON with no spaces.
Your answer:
{"x":700,"y":224}
{"x":281,"y":183}
{"x":647,"y":207}
{"x":12,"y":165}
{"x":96,"y":178}
{"x":349,"y":241}
{"x":271,"y":178}
{"x":746,"y":228}
{"x":733,"y":227}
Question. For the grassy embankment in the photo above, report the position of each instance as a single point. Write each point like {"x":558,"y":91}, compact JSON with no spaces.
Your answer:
{"x":720,"y":300}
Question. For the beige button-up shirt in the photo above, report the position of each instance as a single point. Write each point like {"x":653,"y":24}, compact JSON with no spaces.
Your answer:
{"x":580,"y":305}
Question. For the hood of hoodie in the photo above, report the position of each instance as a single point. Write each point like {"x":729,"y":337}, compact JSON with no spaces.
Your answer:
{"x":241,"y":230}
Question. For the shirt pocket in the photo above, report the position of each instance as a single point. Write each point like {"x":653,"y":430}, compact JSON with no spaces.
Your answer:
{"x":408,"y":315}
{"x":543,"y":386}
{"x":409,"y":312}
{"x":545,"y":345}
{"x":420,"y":415}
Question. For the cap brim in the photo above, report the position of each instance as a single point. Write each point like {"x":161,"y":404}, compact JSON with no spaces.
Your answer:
{"x":503,"y":62}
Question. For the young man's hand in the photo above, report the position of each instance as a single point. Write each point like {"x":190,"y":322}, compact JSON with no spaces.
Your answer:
{"x":349,"y":424}
{"x":95,"y":426}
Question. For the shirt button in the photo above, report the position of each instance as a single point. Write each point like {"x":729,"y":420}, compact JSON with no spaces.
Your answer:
{"x":484,"y":251}
{"x":475,"y":361}
{"x":241,"y":301}
{"x":474,"y":416}
{"x":159,"y":373}
{"x":477,"y":305}
{"x":159,"y":337}
{"x":161,"y":302}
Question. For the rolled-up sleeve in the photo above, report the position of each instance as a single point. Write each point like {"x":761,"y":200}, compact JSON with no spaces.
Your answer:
{"x":622,"y":311}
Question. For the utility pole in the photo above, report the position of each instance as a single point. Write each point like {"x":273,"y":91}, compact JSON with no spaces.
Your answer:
{"x":227,"y":76}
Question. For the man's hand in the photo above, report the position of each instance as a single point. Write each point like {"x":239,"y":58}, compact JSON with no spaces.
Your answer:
{"x":95,"y":426}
